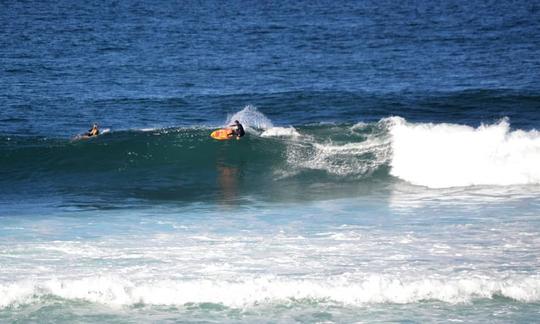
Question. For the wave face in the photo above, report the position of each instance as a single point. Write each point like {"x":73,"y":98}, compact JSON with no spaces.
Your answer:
{"x":186,"y":164}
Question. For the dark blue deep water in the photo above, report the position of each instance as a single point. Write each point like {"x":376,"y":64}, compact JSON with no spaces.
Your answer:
{"x":159,"y":63}
{"x":390,"y":171}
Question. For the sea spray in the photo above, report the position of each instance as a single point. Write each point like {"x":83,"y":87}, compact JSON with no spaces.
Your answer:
{"x":251,"y":117}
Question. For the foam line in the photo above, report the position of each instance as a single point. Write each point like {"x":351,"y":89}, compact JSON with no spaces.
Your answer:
{"x":281,"y":132}
{"x":241,"y":293}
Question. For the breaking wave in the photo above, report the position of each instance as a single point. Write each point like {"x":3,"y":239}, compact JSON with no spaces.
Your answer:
{"x":449,"y":155}
{"x":244,"y":293}
{"x":187,"y":163}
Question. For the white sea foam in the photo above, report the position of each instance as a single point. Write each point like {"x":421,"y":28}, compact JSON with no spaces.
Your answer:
{"x":281,"y":132}
{"x":357,"y":158}
{"x":450,"y":155}
{"x":150,"y":129}
{"x":359,"y":126}
{"x":270,"y":289}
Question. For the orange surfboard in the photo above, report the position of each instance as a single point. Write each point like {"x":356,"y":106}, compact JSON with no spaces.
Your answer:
{"x":222,"y":134}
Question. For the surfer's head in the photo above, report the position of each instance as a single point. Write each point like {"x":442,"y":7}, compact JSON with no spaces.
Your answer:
{"x":236,"y":122}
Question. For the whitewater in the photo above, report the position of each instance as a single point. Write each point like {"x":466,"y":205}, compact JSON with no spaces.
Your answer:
{"x":448,"y":155}
{"x":348,"y":254}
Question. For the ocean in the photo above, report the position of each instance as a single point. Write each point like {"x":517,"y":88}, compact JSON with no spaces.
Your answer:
{"x":390,"y":171}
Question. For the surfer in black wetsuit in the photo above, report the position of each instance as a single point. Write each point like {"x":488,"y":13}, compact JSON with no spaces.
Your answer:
{"x":94,"y":131}
{"x":237,"y":129}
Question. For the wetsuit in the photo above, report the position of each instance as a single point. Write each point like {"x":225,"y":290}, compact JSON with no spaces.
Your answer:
{"x":239,"y":131}
{"x":90,"y":133}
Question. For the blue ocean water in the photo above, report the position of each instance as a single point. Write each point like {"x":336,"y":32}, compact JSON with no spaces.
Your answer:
{"x":389,"y":171}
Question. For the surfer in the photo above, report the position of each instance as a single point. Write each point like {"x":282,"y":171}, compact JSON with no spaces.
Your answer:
{"x":234,"y":130}
{"x":237,"y":129}
{"x":94,"y":131}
